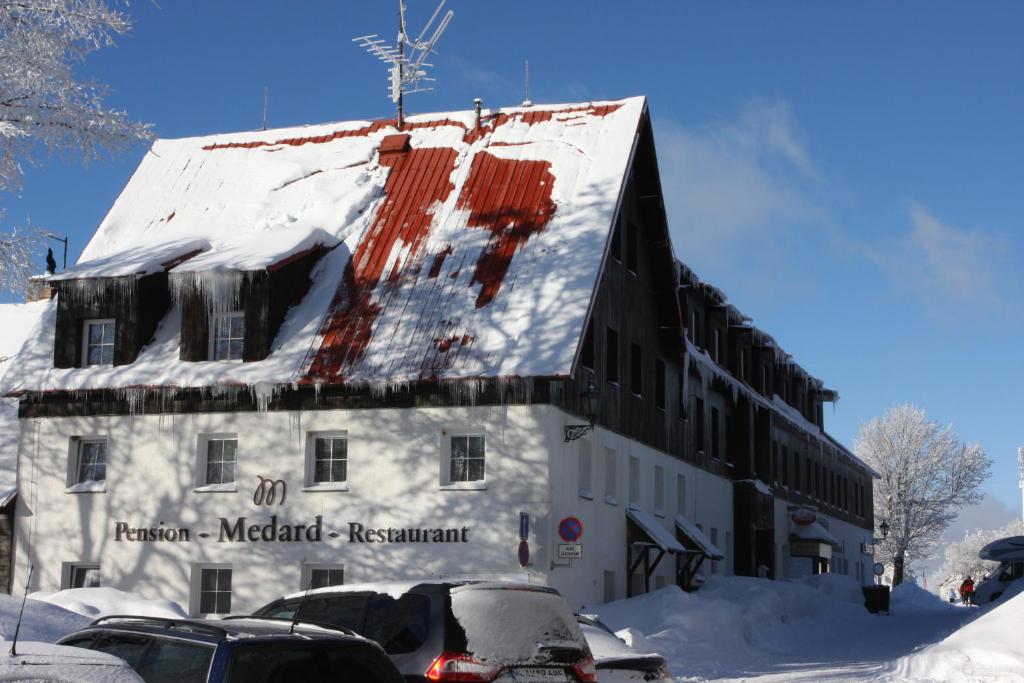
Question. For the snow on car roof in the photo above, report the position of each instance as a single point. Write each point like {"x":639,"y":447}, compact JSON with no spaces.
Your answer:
{"x":460,"y":249}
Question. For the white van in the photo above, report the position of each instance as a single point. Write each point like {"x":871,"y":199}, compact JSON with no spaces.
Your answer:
{"x":1009,"y":553}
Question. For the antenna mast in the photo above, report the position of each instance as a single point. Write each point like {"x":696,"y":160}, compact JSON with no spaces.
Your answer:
{"x":407,"y":71}
{"x":1020,"y":476}
{"x":526,"y":100}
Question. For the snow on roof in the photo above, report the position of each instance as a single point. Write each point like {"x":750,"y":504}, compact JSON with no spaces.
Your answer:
{"x":699,"y":538}
{"x":463,"y":250}
{"x":134,"y":261}
{"x":16,"y":324}
{"x":661,"y":536}
{"x":812,"y":532}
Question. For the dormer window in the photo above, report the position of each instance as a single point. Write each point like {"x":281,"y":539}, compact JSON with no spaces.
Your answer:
{"x":98,"y":342}
{"x":227,"y":336}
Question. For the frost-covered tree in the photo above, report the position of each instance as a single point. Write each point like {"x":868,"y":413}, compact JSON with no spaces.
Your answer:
{"x":927,"y":475}
{"x":962,"y":557}
{"x":44,"y":108}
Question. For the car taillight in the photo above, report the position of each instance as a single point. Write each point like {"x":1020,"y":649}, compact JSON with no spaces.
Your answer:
{"x":585,"y":670}
{"x":462,"y":668}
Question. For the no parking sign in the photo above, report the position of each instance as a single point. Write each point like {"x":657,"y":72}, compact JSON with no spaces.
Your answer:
{"x":570,"y":529}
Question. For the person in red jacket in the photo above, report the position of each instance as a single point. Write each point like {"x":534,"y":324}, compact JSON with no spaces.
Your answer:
{"x":967,"y":591}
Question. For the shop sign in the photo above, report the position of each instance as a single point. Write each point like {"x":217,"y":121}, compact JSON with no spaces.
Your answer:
{"x":570,"y":550}
{"x":269,"y":492}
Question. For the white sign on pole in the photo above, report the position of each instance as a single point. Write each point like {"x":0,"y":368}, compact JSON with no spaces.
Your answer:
{"x":570,"y":550}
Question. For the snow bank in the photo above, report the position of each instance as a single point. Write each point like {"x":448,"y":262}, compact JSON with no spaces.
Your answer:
{"x":42,"y":621}
{"x":908,"y":596}
{"x":99,"y":602}
{"x":731,"y":623}
{"x":988,"y":649}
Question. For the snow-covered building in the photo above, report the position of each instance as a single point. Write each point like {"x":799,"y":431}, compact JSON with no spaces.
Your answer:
{"x":349,"y":352}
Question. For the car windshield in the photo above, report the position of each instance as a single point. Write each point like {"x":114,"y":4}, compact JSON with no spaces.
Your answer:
{"x":510,"y":626}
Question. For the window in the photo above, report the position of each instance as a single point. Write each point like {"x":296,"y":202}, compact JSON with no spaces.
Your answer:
{"x":659,"y":490}
{"x":466,"y":461}
{"x":808,"y":479}
{"x":616,"y":248}
{"x":609,"y":586}
{"x":681,"y":395}
{"x":587,"y":352}
{"x":611,"y":358}
{"x":585,"y":489}
{"x":716,"y":348}
{"x":632,"y":246}
{"x":680,"y":494}
{"x":785,"y":466}
{"x":214,"y":590}
{"x":715,"y":434}
{"x":98,"y":342}
{"x":743,"y":364}
{"x":610,"y":475}
{"x":765,"y":387}
{"x":227,"y":333}
{"x":659,"y":384}
{"x":400,"y":625}
{"x":634,"y":480}
{"x":86,"y":575}
{"x":698,"y":424}
{"x":174,"y":660}
{"x":220,"y":460}
{"x":90,"y":461}
{"x":322,"y":575}
{"x":714,"y":542}
{"x":775,"y":462}
{"x":636,"y":370}
{"x":328,"y":460}
{"x":796,"y":471}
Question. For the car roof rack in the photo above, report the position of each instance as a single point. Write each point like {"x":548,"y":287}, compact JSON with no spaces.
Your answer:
{"x":196,"y":626}
{"x":301,"y":622}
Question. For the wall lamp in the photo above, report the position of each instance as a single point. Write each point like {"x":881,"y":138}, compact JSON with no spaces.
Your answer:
{"x":590,"y":402}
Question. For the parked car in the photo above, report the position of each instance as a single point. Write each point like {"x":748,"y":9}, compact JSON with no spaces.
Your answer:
{"x":457,"y":631}
{"x":48,"y":662}
{"x":1009,"y":552}
{"x":616,"y":661}
{"x":246,"y":650}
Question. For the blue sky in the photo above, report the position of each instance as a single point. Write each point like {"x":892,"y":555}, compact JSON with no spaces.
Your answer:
{"x":852,"y":175}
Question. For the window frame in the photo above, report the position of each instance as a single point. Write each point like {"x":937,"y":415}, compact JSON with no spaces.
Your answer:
{"x":612,"y":369}
{"x":211,"y":343}
{"x":307,"y":569}
{"x":74,"y":482}
{"x":446,"y":482}
{"x":660,"y":385}
{"x":69,"y":569}
{"x":202,"y":483}
{"x":586,"y":469}
{"x":636,"y":369}
{"x":84,"y":350}
{"x":196,"y":583}
{"x":659,"y":490}
{"x":635,"y":490}
{"x":310,"y":482}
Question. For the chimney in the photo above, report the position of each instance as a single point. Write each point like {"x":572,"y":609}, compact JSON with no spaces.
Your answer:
{"x":477,"y":106}
{"x":39,"y":289}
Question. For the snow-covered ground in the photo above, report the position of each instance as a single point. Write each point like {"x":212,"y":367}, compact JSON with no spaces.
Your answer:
{"x":733,"y":629}
{"x":745,"y":629}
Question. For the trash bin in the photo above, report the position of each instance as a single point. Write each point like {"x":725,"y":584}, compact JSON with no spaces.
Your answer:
{"x":876,"y":599}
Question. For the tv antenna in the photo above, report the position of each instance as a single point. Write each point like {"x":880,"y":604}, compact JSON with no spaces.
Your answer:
{"x":407,"y":72}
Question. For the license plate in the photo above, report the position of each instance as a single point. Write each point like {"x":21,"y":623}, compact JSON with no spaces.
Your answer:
{"x":538,"y":674}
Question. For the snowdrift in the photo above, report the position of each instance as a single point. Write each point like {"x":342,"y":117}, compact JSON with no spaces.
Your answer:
{"x":732,"y":624}
{"x":987,"y":649}
{"x":98,"y":602}
{"x":909,"y":596}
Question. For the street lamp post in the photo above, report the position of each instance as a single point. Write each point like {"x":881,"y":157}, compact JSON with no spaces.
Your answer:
{"x":590,"y":402}
{"x":59,"y":238}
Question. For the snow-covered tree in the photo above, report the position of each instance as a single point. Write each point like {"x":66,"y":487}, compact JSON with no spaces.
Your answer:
{"x":927,"y":475}
{"x":962,"y":557}
{"x":44,"y":108}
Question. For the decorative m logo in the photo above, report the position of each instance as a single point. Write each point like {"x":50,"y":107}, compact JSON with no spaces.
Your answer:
{"x":266,"y":491}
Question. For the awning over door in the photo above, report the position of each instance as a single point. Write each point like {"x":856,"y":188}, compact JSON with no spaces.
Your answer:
{"x":652,"y":528}
{"x":696,"y":539}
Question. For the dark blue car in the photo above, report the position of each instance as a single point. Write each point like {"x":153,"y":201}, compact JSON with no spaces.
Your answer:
{"x":248,"y":650}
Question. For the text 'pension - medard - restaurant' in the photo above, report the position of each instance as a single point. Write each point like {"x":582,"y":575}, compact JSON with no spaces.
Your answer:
{"x":349,"y":352}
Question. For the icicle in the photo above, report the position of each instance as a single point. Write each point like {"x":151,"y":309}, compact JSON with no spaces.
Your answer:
{"x":97,"y":290}
{"x":219,"y":289}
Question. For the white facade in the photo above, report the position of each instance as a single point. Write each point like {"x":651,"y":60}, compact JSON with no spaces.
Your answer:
{"x":396,"y":478}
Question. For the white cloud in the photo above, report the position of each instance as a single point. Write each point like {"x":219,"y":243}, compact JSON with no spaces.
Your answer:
{"x":941,"y":263}
{"x":734,"y":180}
